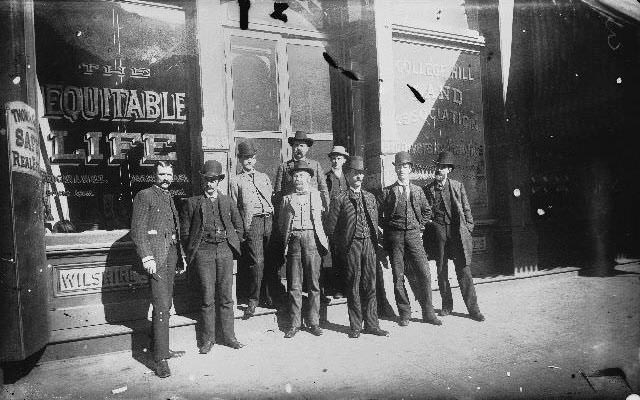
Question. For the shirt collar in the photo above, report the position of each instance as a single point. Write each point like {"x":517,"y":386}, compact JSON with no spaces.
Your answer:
{"x":213,"y":197}
{"x":402,"y":184}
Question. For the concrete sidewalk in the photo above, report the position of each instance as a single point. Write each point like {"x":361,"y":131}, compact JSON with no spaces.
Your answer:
{"x":541,"y":338}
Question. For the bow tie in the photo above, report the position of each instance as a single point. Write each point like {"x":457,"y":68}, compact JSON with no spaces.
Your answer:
{"x":439,"y":186}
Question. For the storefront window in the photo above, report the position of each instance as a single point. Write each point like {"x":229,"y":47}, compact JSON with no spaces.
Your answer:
{"x":114,"y":95}
{"x":255,"y":90}
{"x":310,"y":96}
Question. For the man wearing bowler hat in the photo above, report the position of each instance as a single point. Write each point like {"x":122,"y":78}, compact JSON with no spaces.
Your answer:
{"x":449,"y":237}
{"x":300,"y":144}
{"x":303,"y":241}
{"x":352,"y":224}
{"x":405,"y":211}
{"x":251,"y":190}
{"x":155,"y":229}
{"x":211,"y":228}
{"x":337,"y":184}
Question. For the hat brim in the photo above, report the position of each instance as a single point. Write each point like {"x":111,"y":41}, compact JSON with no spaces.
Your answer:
{"x":210,"y":175}
{"x":404,"y":162}
{"x":246,"y":155}
{"x":350,"y":168}
{"x":308,"y":141}
{"x":436,"y":162}
{"x":337,"y":153}
{"x":309,"y":170}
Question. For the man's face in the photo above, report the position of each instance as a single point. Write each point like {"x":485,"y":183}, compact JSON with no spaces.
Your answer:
{"x":301,"y":181}
{"x":164,"y":177}
{"x":337,"y":161}
{"x":355,"y":178}
{"x":248,"y":163}
{"x":442,"y":171}
{"x":403,"y":171}
{"x":300,"y":150}
{"x":210,"y":185}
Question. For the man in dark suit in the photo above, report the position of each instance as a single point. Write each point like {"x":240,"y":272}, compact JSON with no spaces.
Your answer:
{"x":284,"y":185}
{"x":405,"y":211}
{"x":352,"y":225}
{"x":302,"y":239}
{"x":211,"y":227}
{"x":155,"y":229}
{"x":336,"y":184}
{"x":449,"y":237}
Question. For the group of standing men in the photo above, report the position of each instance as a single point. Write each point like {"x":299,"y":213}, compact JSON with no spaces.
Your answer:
{"x":306,"y":216}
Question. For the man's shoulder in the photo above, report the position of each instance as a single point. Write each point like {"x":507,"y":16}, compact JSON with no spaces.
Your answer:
{"x":146,"y":194}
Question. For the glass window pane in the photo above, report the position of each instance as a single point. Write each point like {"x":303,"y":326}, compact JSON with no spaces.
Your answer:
{"x":310,"y":95}
{"x":254,"y":88}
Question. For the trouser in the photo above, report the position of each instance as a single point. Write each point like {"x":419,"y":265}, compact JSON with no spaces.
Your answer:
{"x":255,"y":248}
{"x":214,"y":263}
{"x":409,"y":258}
{"x":448,"y":245}
{"x":161,"y":297}
{"x":361,"y":284}
{"x":303,"y":263}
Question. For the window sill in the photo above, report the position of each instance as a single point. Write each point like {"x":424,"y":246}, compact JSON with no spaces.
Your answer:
{"x":87,"y":241}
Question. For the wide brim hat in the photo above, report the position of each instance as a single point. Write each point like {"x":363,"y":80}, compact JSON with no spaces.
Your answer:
{"x":301,"y":166}
{"x":212,"y":169}
{"x":339,"y":151}
{"x":446,"y":158}
{"x":300,"y":136}
{"x":356,"y":163}
{"x":246,"y":149}
{"x":403,"y":157}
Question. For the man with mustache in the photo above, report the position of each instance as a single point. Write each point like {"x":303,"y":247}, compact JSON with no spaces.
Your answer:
{"x":405,"y":211}
{"x":351,"y":225}
{"x":300,"y":144}
{"x":449,"y":237}
{"x":303,"y":241}
{"x":155,"y":229}
{"x":211,"y":228}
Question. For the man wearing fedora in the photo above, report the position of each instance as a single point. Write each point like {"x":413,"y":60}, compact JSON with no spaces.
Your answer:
{"x":155,"y":230}
{"x":303,"y":241}
{"x":251,"y":190}
{"x":351,"y":225}
{"x":405,"y":211}
{"x":300,"y":144}
{"x":336,"y":184}
{"x":211,"y":228}
{"x":449,"y":237}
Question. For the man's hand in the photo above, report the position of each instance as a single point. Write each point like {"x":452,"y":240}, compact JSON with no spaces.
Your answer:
{"x":183,"y":268}
{"x":149,"y":265}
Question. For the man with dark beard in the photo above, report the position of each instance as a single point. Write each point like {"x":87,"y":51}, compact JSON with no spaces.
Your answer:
{"x":449,"y":237}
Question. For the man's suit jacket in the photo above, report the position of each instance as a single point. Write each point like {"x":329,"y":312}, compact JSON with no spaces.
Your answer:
{"x":241,"y":186}
{"x":284,"y":182}
{"x":417,"y":199}
{"x":285,"y":220}
{"x":460,"y":213}
{"x":192,"y":227}
{"x":150,"y":221}
{"x":333,"y":184}
{"x":340,"y":222}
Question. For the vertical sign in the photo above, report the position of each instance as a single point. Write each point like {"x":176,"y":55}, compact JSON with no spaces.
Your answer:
{"x":24,"y":139}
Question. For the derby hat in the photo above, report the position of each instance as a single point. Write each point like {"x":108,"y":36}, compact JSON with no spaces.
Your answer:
{"x":445,"y":158}
{"x":246,"y":149}
{"x":300,"y":136}
{"x":403,"y":157}
{"x":301,"y":165}
{"x":212,"y":169}
{"x":356,"y":163}
{"x":338,"y":151}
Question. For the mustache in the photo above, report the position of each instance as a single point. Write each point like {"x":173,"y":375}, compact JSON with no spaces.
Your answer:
{"x":165,"y":181}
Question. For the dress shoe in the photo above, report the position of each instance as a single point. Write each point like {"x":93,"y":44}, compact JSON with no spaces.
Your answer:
{"x":206,"y":347}
{"x":176,"y":353}
{"x":376,"y":332}
{"x":432,"y":320}
{"x":249,"y":312}
{"x":234,"y":344}
{"x":338,"y":295}
{"x":162,"y":369}
{"x":354,"y":334}
{"x":291,"y":332}
{"x":315,"y":330}
{"x":325,"y":299}
{"x":403,"y":322}
{"x":477,"y":316}
{"x":444,"y":312}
